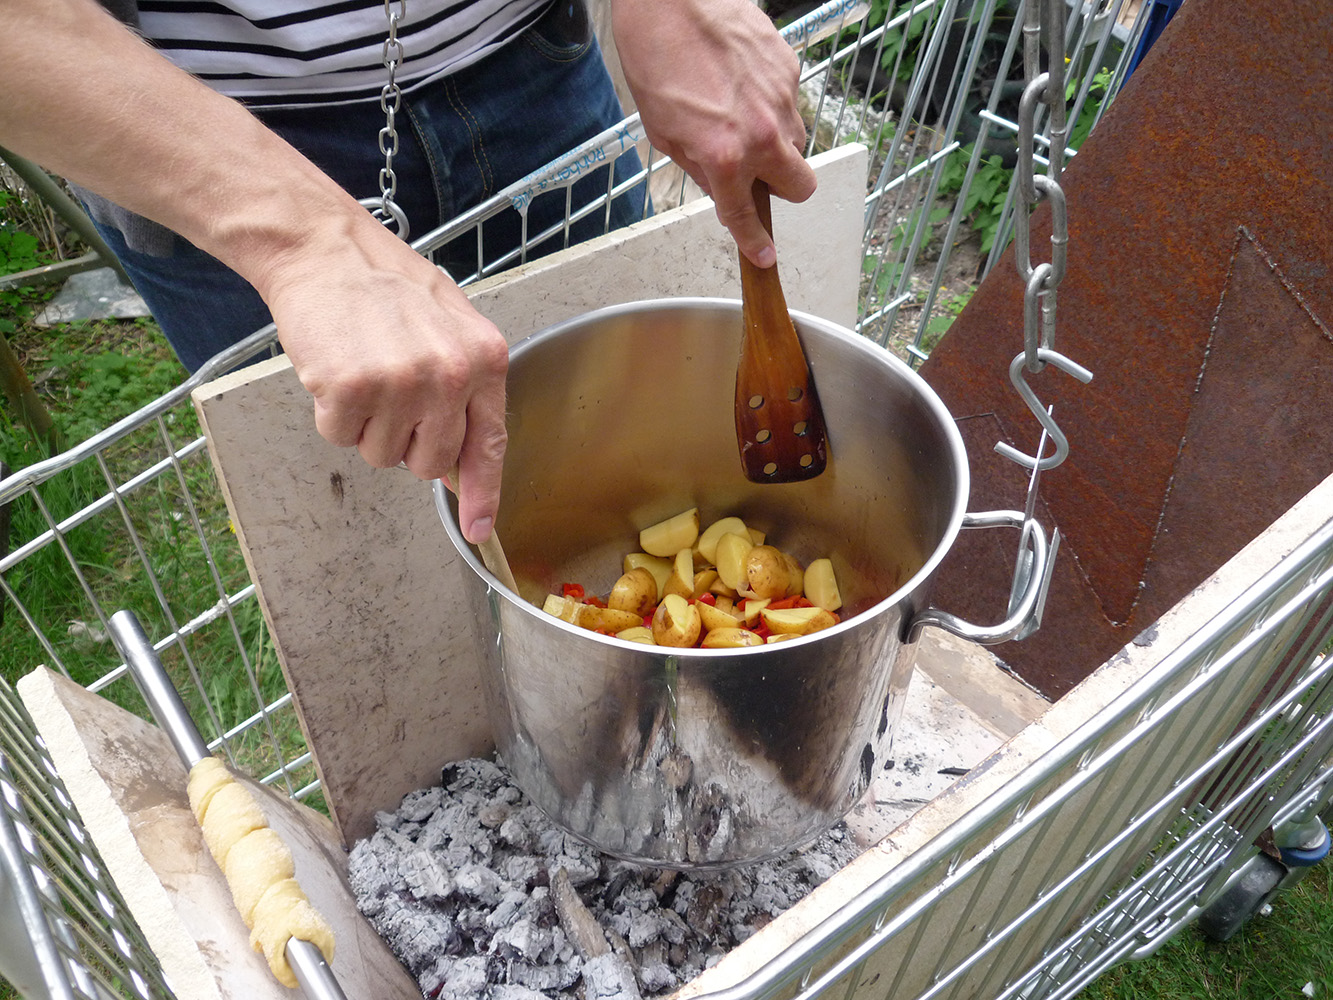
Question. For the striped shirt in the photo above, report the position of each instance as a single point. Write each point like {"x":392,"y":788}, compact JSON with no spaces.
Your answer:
{"x":293,"y":53}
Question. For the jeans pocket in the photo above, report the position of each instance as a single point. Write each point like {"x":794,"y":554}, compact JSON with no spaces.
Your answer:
{"x":564,"y":33}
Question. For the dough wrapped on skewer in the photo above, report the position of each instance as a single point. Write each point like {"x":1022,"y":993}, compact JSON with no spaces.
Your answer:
{"x":258,"y":860}
{"x":284,"y":912}
{"x":258,"y":867}
{"x":232,"y":813}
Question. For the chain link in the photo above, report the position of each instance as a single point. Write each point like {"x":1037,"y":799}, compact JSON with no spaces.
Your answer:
{"x":391,"y":98}
{"x":1040,"y":281}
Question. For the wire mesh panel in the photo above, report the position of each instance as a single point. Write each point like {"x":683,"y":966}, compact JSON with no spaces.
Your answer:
{"x":1087,"y":859}
{"x":68,"y":932}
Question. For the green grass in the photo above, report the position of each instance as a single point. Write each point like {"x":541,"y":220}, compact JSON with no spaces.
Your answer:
{"x":146,"y":555}
{"x":1271,"y":957}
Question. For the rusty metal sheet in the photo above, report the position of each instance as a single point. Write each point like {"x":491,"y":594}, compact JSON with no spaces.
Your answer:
{"x":1213,"y":169}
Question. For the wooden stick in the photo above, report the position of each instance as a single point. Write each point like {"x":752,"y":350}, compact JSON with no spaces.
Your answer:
{"x":492,"y":552}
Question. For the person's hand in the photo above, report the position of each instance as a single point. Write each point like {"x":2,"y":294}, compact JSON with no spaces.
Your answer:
{"x":399,"y":363}
{"x":715,"y":85}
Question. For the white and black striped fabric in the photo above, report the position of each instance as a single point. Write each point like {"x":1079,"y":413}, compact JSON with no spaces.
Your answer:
{"x":293,"y":53}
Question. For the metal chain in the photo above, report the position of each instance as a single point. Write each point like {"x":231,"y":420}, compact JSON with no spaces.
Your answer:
{"x":391,"y":97}
{"x":1040,"y":281}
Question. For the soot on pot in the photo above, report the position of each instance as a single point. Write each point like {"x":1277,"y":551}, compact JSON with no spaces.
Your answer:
{"x":481,"y":896}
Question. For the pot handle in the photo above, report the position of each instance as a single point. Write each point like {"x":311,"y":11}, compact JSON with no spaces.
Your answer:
{"x":1032,"y":579}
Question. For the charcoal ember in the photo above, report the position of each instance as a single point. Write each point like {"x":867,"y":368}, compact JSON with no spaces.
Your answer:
{"x":524,"y":939}
{"x":524,"y":870}
{"x":415,"y":937}
{"x":507,"y":911}
{"x":373,"y":875}
{"x":464,"y":978}
{"x":480,"y":883}
{"x":514,"y":992}
{"x":519,"y":828}
{"x":546,"y":978}
{"x":655,"y":972}
{"x":463,"y":895}
{"x":426,"y":875}
{"x":420,"y":805}
{"x":609,"y":977}
{"x":493,"y":814}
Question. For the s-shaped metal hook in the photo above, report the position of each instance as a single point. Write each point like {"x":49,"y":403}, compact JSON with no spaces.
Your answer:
{"x":1016,"y":375}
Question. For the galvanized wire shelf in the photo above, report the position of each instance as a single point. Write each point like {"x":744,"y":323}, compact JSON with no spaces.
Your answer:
{"x":1137,"y":824}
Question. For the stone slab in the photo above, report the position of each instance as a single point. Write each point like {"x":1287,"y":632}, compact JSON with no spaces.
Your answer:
{"x":96,"y":294}
{"x":354,"y":572}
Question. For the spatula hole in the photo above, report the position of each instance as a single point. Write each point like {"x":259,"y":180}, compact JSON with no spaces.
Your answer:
{"x":770,"y":468}
{"x":799,"y":428}
{"x":756,"y":401}
{"x":763,"y":436}
{"x":794,"y":393}
{"x":806,"y":461}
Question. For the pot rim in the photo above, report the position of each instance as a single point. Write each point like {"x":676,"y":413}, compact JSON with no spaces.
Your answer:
{"x":873,"y":353}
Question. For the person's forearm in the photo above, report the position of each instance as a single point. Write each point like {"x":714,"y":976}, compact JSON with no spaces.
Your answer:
{"x":90,"y":101}
{"x":398,"y":362}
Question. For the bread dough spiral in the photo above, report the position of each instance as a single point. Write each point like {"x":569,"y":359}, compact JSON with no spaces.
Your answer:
{"x":258,"y":867}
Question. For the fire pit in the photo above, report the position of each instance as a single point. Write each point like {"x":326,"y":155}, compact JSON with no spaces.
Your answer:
{"x":479,"y":894}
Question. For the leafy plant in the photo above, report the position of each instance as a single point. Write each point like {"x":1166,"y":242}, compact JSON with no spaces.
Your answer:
{"x":947,"y":309}
{"x":1098,"y":91}
{"x":20,"y":250}
{"x":983,"y":205}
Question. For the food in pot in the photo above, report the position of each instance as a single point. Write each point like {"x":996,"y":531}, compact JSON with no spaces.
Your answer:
{"x":676,"y":622}
{"x":771,"y":573}
{"x":668,"y":537}
{"x":821,"y":586}
{"x":590,"y":616}
{"x":724,"y":588}
{"x":635,"y":591}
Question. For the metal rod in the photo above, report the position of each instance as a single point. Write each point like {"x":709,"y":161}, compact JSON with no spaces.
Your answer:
{"x":64,"y":206}
{"x":307,"y":962}
{"x":163,"y":700}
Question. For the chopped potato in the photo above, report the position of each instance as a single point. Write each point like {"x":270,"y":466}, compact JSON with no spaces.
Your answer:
{"x":635,"y":591}
{"x":723,"y":588}
{"x":821,"y":586}
{"x":639,"y":633}
{"x":707,"y":545}
{"x":713,"y":617}
{"x":656,"y":565}
{"x":797,"y":621}
{"x":666,"y":538}
{"x":731,"y":638}
{"x":732,"y":552}
{"x":676,"y":622}
{"x":772,"y":573}
{"x":681,"y":580}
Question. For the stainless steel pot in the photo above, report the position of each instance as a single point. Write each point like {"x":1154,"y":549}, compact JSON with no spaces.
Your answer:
{"x":708,"y":758}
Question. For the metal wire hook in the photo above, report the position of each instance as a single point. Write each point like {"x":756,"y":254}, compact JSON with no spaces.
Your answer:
{"x":1018,"y":377}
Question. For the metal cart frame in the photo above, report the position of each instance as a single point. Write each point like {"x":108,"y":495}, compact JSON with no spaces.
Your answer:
{"x":1193,"y":786}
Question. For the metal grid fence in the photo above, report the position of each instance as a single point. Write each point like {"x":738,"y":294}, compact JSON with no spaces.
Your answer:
{"x":927,"y":92}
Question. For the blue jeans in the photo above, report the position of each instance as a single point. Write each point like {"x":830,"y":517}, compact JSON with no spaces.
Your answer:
{"x":461,"y":139}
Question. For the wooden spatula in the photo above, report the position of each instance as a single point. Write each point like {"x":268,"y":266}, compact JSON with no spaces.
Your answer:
{"x":779,"y":425}
{"x":492,"y":552}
